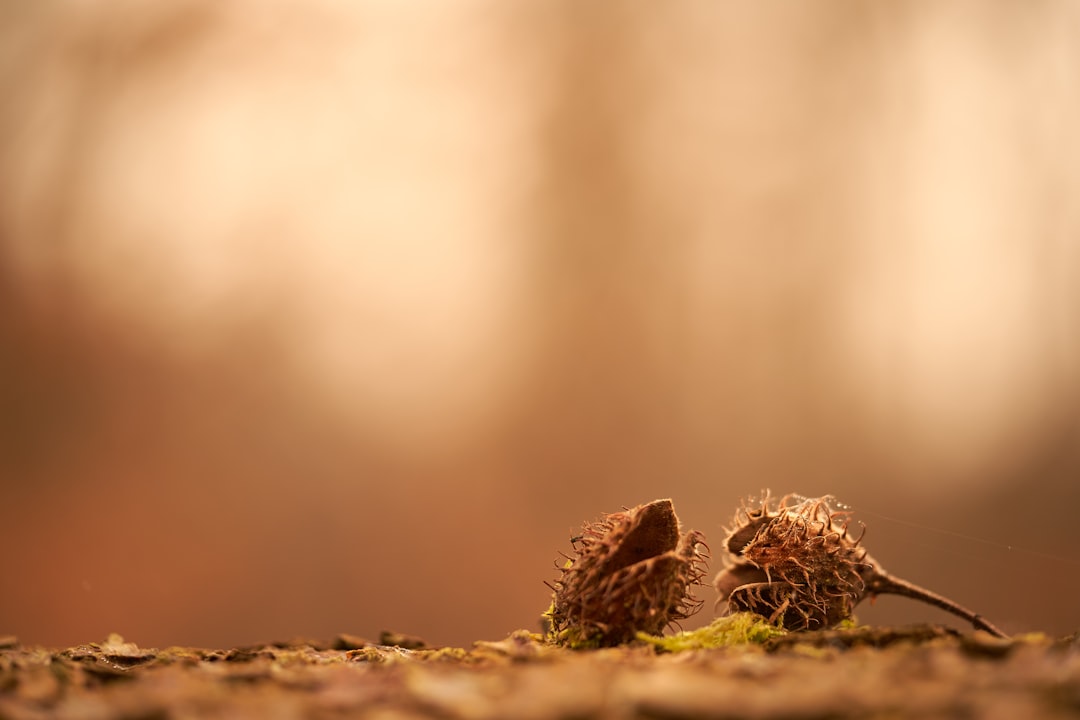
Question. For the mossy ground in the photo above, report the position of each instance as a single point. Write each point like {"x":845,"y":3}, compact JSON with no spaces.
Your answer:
{"x":925,"y":671}
{"x":727,"y":631}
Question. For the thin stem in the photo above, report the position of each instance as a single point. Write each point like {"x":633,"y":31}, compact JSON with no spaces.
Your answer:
{"x":888,"y":585}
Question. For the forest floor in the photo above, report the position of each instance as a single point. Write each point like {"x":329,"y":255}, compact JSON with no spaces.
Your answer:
{"x":923,"y":671}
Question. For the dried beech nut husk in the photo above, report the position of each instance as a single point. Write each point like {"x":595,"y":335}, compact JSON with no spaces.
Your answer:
{"x":630,"y":572}
{"x":796,"y":564}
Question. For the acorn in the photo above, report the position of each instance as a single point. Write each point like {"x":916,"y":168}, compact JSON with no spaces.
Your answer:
{"x":630,"y":572}
{"x":797,"y":565}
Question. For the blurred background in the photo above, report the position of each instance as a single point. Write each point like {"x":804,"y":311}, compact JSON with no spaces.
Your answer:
{"x":342,"y":316}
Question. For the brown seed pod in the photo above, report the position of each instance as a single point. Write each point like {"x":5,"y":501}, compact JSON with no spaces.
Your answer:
{"x":797,"y":564}
{"x":631,"y":572}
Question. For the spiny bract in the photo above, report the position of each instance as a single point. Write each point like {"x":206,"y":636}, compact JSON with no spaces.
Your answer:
{"x":631,"y":572}
{"x":795,"y":564}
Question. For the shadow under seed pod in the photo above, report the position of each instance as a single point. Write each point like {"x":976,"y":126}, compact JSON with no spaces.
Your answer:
{"x":796,"y":564}
{"x":631,"y":572}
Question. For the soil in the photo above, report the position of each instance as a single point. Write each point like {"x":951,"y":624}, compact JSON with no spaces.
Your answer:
{"x":923,"y":671}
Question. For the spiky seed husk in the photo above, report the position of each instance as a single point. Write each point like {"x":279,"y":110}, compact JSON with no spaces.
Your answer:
{"x":631,"y":572}
{"x":798,"y":566}
{"x":795,"y":564}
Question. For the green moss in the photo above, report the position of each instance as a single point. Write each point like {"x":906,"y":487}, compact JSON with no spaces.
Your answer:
{"x":847,"y":624}
{"x":571,"y":638}
{"x":737,"y":629}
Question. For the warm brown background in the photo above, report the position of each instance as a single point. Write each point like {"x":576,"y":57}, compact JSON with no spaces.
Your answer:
{"x":342,"y":316}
